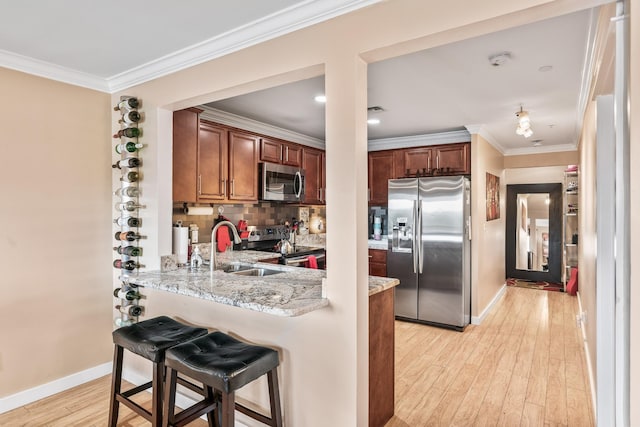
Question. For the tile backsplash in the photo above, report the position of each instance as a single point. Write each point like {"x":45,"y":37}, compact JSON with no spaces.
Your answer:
{"x":261,"y":213}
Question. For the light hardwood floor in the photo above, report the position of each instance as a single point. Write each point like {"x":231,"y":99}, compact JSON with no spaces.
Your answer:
{"x":84,"y":406}
{"x":524,"y":366}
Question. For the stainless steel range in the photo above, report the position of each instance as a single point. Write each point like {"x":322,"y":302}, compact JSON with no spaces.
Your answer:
{"x":273,"y":238}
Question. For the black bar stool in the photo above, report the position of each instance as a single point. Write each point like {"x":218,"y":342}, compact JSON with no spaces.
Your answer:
{"x":149,"y":339}
{"x":223,"y":364}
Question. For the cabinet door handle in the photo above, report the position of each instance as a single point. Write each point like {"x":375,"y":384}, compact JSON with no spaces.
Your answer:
{"x":429,"y":163}
{"x":224,"y":188}
{"x":232,"y":189}
{"x":281,"y":153}
{"x":437,"y":162}
{"x":322,"y":194}
{"x":199,"y":184}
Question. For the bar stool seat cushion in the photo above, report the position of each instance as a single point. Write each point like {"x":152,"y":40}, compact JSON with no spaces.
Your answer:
{"x":221,"y":361}
{"x":151,"y":338}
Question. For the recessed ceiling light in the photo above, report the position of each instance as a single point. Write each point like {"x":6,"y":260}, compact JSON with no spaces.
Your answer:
{"x":373,"y":121}
{"x":321,"y":99}
{"x":545,"y":68}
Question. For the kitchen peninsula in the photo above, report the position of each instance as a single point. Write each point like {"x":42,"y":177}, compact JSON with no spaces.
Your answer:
{"x":290,"y":292}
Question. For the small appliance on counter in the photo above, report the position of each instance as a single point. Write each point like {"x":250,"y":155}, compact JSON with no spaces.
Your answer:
{"x":180,"y":247}
{"x":276,"y":239}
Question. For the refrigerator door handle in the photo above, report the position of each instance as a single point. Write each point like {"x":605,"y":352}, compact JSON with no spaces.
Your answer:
{"x":419,"y":234}
{"x":414,"y":246}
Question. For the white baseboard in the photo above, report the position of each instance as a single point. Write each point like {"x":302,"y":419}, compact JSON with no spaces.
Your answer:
{"x":476,"y":320}
{"x":592,"y":382}
{"x":45,"y":390}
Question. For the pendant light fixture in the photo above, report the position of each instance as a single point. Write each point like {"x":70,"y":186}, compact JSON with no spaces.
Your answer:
{"x":524,"y":123}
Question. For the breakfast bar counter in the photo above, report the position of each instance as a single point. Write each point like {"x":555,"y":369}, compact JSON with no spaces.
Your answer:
{"x":288,"y":291}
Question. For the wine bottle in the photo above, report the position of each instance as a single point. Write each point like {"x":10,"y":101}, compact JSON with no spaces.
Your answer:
{"x":129,"y":147}
{"x":129,"y":295}
{"x":127,"y":104}
{"x":128,"y":236}
{"x":130,"y":221}
{"x":128,"y":132}
{"x":128,"y":206}
{"x":129,"y":191}
{"x":130,"y":310}
{"x":128,"y":250}
{"x":130,"y":176}
{"x":131,"y":162}
{"x":126,"y":265}
{"x":130,"y":117}
{"x":121,"y":322}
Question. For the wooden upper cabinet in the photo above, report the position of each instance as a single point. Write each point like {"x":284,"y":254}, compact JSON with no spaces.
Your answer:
{"x":281,"y":152}
{"x":185,"y":149}
{"x":381,"y":170}
{"x":244,"y":153}
{"x":312,"y":166}
{"x":212,"y":162}
{"x":417,"y":160}
{"x":453,"y":159}
{"x":291,"y":154}
{"x":446,"y":159}
{"x":270,"y":150}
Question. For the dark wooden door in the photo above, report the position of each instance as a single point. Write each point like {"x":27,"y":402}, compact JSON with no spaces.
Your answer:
{"x":381,"y":170}
{"x":453,"y":159}
{"x":212,"y":162}
{"x":185,"y":154}
{"x":312,"y":166}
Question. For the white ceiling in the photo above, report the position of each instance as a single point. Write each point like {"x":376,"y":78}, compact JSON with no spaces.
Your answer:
{"x":113,"y":45}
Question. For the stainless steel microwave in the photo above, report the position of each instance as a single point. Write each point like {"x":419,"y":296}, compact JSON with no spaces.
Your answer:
{"x":282,"y":183}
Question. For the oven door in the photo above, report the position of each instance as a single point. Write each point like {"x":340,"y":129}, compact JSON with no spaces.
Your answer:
{"x":303,"y":261}
{"x":282,"y":183}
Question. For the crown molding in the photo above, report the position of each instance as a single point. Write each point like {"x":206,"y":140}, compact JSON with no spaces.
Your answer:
{"x":541,"y":149}
{"x":484,"y":133}
{"x":291,"y":19}
{"x":419,"y":140}
{"x":288,"y":20}
{"x":251,"y":125}
{"x":51,"y":71}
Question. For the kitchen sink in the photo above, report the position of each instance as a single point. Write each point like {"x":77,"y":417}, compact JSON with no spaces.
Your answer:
{"x":256,"y":272}
{"x":234,"y":268}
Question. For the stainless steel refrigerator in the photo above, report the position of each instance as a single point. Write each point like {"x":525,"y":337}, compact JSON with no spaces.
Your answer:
{"x":429,"y":227}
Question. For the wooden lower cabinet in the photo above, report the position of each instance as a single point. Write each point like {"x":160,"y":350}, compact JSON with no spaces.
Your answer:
{"x":377,"y":262}
{"x":381,"y":358}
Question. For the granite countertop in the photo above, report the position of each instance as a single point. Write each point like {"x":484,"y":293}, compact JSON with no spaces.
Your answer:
{"x":381,"y":244}
{"x":293,"y":292}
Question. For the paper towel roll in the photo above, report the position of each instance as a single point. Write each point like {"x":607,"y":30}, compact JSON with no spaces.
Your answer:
{"x":198,"y":210}
{"x":181,"y":244}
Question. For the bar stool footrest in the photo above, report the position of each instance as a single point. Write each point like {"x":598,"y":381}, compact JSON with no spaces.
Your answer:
{"x":193,"y":412}
{"x":136,"y":390}
{"x":134,"y":407}
{"x":255,"y":415}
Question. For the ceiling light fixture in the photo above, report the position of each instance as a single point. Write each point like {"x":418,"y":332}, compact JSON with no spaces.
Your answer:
{"x":524,"y":123}
{"x":321,"y":99}
{"x":372,"y":112}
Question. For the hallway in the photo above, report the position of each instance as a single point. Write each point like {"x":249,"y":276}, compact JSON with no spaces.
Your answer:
{"x":524,"y":365}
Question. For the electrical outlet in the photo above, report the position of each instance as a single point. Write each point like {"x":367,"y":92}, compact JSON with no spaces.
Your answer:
{"x":584,"y":317}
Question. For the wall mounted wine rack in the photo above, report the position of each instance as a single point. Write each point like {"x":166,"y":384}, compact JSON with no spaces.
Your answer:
{"x":128,"y":222}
